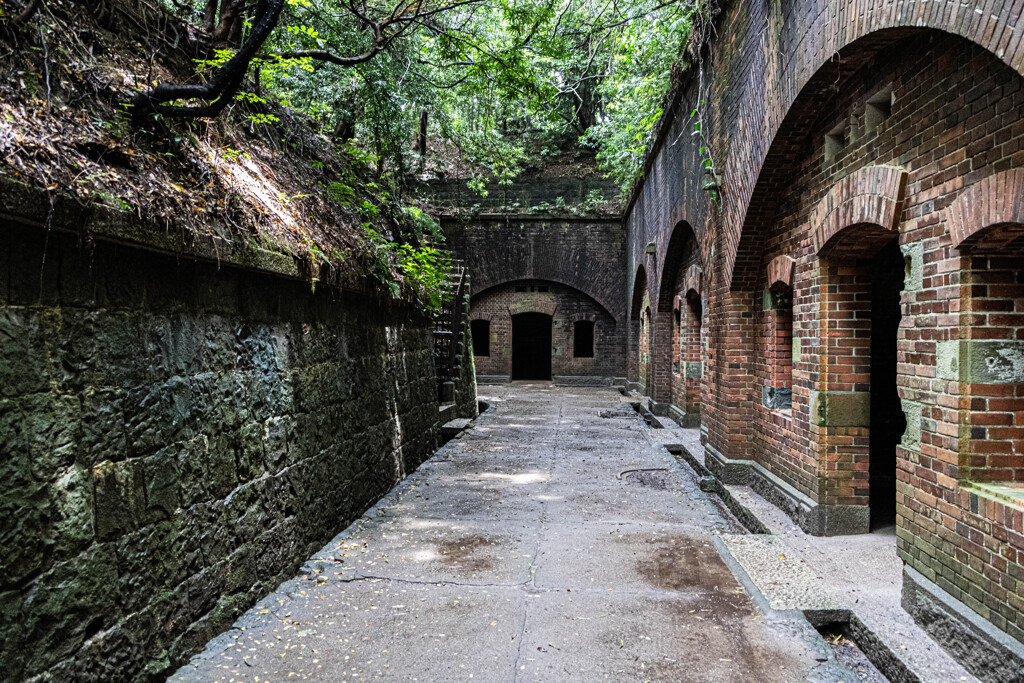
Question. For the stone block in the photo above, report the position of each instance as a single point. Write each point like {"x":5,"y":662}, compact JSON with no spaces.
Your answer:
{"x":912,"y":436}
{"x":988,"y":653}
{"x":979,"y":361}
{"x":120,"y":497}
{"x":163,"y":495}
{"x":913,"y":275}
{"x":841,"y":408}
{"x":72,"y":496}
{"x":777,"y":398}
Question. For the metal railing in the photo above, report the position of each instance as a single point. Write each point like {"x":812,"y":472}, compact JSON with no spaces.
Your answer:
{"x":448,"y":331}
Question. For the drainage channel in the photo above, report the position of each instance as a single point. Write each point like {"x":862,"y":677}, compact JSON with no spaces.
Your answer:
{"x":846,"y":650}
{"x":852,"y":642}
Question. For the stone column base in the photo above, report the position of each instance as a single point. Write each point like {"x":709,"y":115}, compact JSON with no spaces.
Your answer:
{"x":987,"y":652}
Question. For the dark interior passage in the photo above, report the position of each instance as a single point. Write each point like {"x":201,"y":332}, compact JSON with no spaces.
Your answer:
{"x":887,"y":420}
{"x":531,"y":346}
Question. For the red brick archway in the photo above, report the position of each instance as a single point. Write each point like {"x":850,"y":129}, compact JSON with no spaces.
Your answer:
{"x":674,"y":325}
{"x":636,"y":307}
{"x":854,"y":232}
{"x":990,"y":213}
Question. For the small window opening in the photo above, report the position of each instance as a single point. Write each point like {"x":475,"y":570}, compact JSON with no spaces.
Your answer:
{"x":542,"y":288}
{"x":521,"y":288}
{"x":780,"y":351}
{"x":879,"y":108}
{"x":835,"y":141}
{"x":481,"y":330}
{"x":677,"y":341}
{"x":583,"y":339}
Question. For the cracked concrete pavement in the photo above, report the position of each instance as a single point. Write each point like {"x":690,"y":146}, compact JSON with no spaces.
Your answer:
{"x":552,"y":541}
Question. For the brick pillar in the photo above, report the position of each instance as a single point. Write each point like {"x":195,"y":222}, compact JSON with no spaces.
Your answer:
{"x":731,"y":381}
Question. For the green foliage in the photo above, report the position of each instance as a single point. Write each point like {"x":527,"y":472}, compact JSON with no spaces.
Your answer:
{"x":341,"y":193}
{"x":507,"y":84}
{"x":634,"y":91}
{"x":421,"y":269}
{"x":424,"y":223}
{"x":497,"y":79}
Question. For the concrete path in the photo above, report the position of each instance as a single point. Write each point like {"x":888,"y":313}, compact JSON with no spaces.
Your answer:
{"x":553,"y":542}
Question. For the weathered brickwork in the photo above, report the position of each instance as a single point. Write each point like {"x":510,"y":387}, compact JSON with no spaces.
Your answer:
{"x":566,"y":307}
{"x":175,"y":438}
{"x":581,"y":264}
{"x":862,"y":260}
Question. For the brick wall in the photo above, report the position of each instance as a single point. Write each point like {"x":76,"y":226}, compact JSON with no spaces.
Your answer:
{"x":567,"y":306}
{"x":581,"y":262}
{"x":838,"y":127}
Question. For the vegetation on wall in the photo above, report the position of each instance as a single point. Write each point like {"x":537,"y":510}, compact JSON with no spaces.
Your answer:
{"x":292,"y":115}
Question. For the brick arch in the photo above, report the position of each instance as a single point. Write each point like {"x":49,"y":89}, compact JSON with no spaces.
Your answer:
{"x":681,"y":246}
{"x":572,"y":283}
{"x":639,"y":287}
{"x":538,"y":299}
{"x":989,"y":213}
{"x":693,"y":280}
{"x":780,"y":272}
{"x":547,"y":306}
{"x":824,"y":50}
{"x":864,"y":207}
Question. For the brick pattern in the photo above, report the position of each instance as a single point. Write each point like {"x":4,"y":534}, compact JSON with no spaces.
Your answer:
{"x":786,"y":75}
{"x":996,"y":201}
{"x":679,"y":382}
{"x":780,"y":272}
{"x":995,"y":311}
{"x":870,"y":196}
{"x":587,"y":255}
{"x":566,"y":306}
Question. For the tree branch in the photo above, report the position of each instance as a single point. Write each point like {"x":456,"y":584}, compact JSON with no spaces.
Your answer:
{"x":24,"y":15}
{"x":224,"y":85}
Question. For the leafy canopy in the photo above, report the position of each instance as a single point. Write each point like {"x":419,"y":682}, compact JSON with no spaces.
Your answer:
{"x":497,"y":78}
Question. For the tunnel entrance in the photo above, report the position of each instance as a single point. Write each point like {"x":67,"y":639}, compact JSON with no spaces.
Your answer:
{"x":531,"y":346}
{"x":887,"y":420}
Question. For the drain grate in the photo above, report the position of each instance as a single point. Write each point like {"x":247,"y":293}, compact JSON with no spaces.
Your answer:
{"x":618,"y":413}
{"x":658,"y":479}
{"x":849,"y":653}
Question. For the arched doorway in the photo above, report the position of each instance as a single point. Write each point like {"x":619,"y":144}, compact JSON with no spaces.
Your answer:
{"x":646,"y":375}
{"x":861,"y":416}
{"x":639,"y":332}
{"x":676,"y":344}
{"x":887,"y":422}
{"x":531,"y":346}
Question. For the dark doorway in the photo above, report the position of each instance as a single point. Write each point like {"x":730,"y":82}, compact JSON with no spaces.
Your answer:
{"x":531,"y":346}
{"x":887,"y":420}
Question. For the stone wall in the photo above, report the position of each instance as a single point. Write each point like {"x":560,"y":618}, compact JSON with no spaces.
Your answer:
{"x":528,"y":194}
{"x":840,"y":130}
{"x":175,"y":438}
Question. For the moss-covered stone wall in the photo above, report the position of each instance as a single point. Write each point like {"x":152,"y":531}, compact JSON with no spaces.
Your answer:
{"x":175,"y":438}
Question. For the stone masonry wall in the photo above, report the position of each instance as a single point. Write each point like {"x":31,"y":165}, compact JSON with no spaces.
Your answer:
{"x":175,"y":439}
